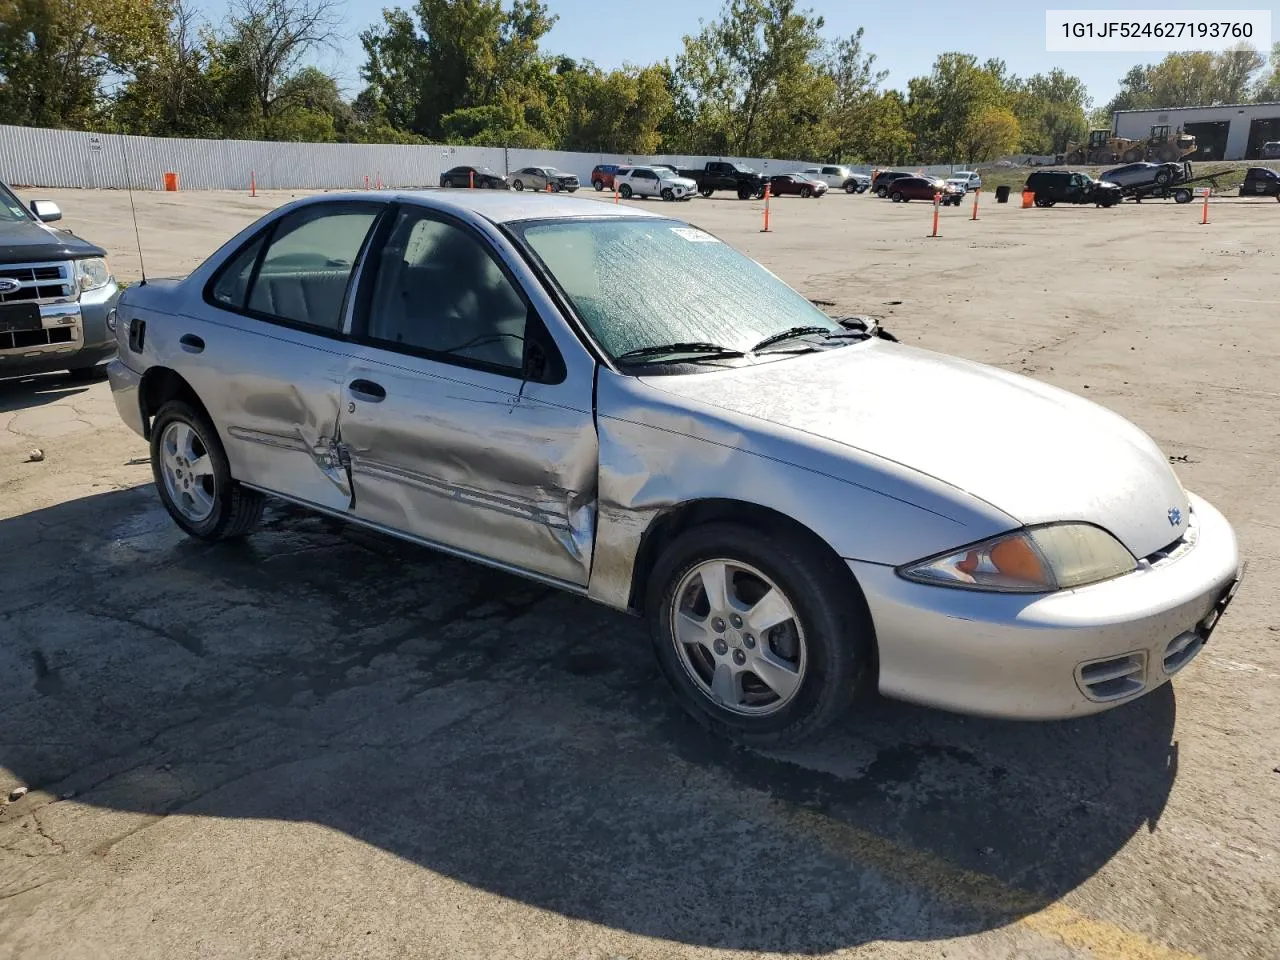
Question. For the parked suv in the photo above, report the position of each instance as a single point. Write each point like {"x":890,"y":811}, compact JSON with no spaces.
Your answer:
{"x":56,"y":292}
{"x":602,"y":175}
{"x":1261,"y":182}
{"x":654,"y":182}
{"x":880,"y":185}
{"x":839,"y":178}
{"x":1271,"y":150}
{"x":1064,"y":186}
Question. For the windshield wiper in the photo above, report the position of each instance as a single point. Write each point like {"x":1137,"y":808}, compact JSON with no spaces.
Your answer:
{"x":789,"y":334}
{"x":699,"y":349}
{"x":867,"y":327}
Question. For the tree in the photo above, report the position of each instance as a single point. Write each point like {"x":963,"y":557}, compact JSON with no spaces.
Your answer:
{"x":1051,"y":110}
{"x":56,"y":56}
{"x":991,"y":131}
{"x":749,"y":75}
{"x":942,"y":107}
{"x":856,"y":96}
{"x":1267,"y":87}
{"x":1189,"y":80}
{"x":270,"y":39}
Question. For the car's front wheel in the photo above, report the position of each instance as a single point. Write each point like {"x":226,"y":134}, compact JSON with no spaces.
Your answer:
{"x":625,"y":191}
{"x":705,"y":192}
{"x":806,"y":192}
{"x":598,"y":184}
{"x":668,"y":193}
{"x":194,"y":478}
{"x":851,"y":186}
{"x":760,"y":635}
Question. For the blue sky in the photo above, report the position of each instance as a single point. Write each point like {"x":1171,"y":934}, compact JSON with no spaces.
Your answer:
{"x":905,"y":36}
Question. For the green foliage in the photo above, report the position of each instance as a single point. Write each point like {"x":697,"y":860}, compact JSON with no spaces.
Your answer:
{"x":1192,"y":79}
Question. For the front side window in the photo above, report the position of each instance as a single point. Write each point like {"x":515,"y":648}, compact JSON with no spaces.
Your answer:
{"x":11,"y":209}
{"x":438,"y":290}
{"x":304,"y":274}
{"x":651,"y":282}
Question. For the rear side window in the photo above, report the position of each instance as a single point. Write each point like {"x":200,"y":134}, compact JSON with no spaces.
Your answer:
{"x":301,"y":277}
{"x":831,"y":170}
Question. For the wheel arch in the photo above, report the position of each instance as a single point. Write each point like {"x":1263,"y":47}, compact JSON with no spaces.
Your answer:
{"x":160,"y":385}
{"x":673,"y":521}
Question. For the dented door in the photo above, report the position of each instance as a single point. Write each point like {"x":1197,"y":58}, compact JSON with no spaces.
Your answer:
{"x":486,"y":464}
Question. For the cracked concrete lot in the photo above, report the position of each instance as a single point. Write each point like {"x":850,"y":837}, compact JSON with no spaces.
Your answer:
{"x":321,"y":742}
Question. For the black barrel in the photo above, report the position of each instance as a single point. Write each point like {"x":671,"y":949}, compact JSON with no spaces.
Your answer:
{"x":1002,"y":194}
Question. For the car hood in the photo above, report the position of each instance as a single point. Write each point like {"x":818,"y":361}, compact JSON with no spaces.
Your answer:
{"x":1035,"y":452}
{"x":682,"y":181}
{"x":30,"y":241}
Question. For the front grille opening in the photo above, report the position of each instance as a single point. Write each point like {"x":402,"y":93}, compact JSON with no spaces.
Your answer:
{"x":1113,"y":678}
{"x":26,"y":339}
{"x":1181,"y":650}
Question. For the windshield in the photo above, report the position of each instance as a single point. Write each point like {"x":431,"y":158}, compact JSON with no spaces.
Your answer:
{"x":741,"y":168}
{"x":11,"y":209}
{"x":553,"y":172}
{"x":640,"y":283}
{"x":664,"y":173}
{"x":488,"y":170}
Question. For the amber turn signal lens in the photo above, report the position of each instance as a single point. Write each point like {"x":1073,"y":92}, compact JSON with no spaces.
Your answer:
{"x":1018,"y":559}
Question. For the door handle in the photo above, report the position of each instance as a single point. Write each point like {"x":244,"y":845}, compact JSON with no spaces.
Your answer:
{"x":368,"y":390}
{"x":191,"y":343}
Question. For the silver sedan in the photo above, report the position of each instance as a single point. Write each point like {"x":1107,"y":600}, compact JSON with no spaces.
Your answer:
{"x":620,"y":405}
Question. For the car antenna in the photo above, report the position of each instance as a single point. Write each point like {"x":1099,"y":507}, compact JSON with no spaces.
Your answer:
{"x":128,"y":183}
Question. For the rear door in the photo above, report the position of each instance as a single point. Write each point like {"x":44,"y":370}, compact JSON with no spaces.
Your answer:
{"x":462,"y":423}
{"x":269,"y":363}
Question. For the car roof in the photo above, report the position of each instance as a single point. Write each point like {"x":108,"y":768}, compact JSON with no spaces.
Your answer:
{"x":500,"y":206}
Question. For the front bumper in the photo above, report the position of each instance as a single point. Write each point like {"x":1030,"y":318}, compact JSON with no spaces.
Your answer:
{"x":1058,"y":655}
{"x":74,"y":334}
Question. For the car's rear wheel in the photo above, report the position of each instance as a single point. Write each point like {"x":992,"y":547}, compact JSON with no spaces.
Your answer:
{"x":759,"y":634}
{"x":625,"y":191}
{"x":598,"y":184}
{"x":517,"y":185}
{"x":882,"y":192}
{"x":194,"y":478}
{"x":1182,"y":196}
{"x":705,"y":192}
{"x":896,"y":197}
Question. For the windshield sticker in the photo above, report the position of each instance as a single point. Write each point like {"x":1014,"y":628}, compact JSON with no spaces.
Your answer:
{"x":694,"y":235}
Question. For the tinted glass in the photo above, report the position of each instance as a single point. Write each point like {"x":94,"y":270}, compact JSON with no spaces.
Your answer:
{"x":645,"y":282}
{"x":304,"y":275}
{"x":232,"y":284}
{"x":438,"y":289}
{"x":11,"y":209}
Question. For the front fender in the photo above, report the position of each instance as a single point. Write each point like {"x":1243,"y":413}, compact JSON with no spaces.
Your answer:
{"x":658,"y":452}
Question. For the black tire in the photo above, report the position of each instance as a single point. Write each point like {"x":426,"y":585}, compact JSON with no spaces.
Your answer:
{"x":897,"y":197}
{"x":851,"y":186}
{"x":446,"y":183}
{"x":1132,"y":156}
{"x":745,"y":192}
{"x":598,"y":184}
{"x":236,"y":509}
{"x":625,"y":191}
{"x":882,"y":192}
{"x":87,"y":374}
{"x":838,"y":638}
{"x":517,"y":184}
{"x":1075,"y":157}
{"x":1182,"y":195}
{"x":668,"y":194}
{"x":1043,"y":202}
{"x":1162,"y":177}
{"x":705,"y":192}
{"x":806,"y":192}
{"x":555,"y":188}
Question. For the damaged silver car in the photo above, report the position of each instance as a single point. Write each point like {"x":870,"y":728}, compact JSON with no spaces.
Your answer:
{"x":620,"y":405}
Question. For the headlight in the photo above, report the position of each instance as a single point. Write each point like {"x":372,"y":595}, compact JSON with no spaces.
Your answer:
{"x":94,"y":273}
{"x":1034,"y":560}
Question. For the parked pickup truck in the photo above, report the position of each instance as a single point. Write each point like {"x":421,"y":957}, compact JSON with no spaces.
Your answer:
{"x":56,"y":292}
{"x":724,"y":175}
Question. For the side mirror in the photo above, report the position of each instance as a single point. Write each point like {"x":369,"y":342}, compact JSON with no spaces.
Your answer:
{"x":46,"y":211}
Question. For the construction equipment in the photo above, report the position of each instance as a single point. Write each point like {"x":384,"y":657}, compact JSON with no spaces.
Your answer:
{"x":1103,"y":146}
{"x":1163,"y":146}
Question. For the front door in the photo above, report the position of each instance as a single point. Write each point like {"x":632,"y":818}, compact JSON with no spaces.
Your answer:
{"x":447,"y":439}
{"x":270,"y":359}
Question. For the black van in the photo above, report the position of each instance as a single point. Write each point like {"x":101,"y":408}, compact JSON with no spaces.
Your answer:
{"x":1054,"y":186}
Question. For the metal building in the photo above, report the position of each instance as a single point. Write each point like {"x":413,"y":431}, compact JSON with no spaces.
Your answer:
{"x":1232,"y":131}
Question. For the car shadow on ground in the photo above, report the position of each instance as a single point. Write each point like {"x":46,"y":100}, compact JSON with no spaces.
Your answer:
{"x":522,"y":740}
{"x":24,"y":392}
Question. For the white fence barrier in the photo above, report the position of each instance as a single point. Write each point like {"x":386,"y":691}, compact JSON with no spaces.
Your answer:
{"x":33,"y":156}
